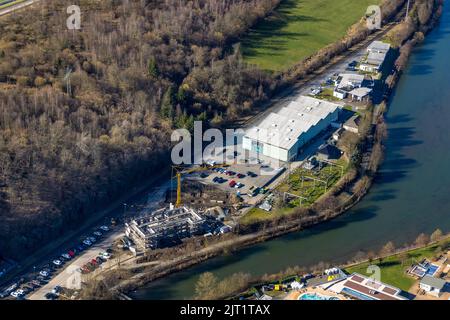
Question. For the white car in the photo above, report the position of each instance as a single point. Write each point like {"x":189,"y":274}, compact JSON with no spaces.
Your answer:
{"x":97,"y":233}
{"x":20,"y":292}
{"x":104,"y":228}
{"x":105,"y":255}
{"x":66,"y":256}
{"x":57,"y":262}
{"x":44,"y":273}
{"x":92,"y":239}
{"x":15,"y":294}
{"x":87,"y":242}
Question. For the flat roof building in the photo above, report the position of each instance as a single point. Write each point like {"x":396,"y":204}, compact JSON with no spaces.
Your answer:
{"x":347,"y":83}
{"x":361,"y":287}
{"x":433,"y":286}
{"x":376,"y":55}
{"x":281,"y":135}
{"x":162,"y":225}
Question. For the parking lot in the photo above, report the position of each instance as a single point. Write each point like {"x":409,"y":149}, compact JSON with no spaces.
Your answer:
{"x":47,"y":280}
{"x":246,"y":180}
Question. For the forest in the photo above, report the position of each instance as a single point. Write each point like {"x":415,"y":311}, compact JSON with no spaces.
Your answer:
{"x":87,"y":114}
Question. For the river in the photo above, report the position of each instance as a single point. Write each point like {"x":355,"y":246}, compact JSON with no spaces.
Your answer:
{"x":410,"y":195}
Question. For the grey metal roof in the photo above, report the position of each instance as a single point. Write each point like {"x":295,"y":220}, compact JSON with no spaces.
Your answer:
{"x":282,"y":129}
{"x":376,"y":58}
{"x":351,"y":80}
{"x":378,"y":46}
{"x":433,"y":282}
{"x":361,"y":92}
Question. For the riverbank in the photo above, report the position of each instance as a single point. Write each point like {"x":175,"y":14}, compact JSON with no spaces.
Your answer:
{"x":393,"y":265}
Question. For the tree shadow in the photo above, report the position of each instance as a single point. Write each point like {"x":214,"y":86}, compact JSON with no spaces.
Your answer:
{"x":269,"y":34}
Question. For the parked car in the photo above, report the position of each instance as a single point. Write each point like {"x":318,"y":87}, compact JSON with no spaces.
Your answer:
{"x":57,"y":262}
{"x":56,"y":289}
{"x":71,"y":253}
{"x":255,"y":192}
{"x":66,"y":256}
{"x":89,"y":266}
{"x":44,"y":273}
{"x":87,"y":242}
{"x":98,"y":234}
{"x":81,"y":247}
{"x":251,"y":174}
{"x":240,"y":175}
{"x":50,"y":296}
{"x":239,"y":185}
{"x":230,"y":173}
{"x":232,"y":183}
{"x":104,"y":228}
{"x":35,"y":283}
{"x":105,"y":255}
{"x":92,"y":239}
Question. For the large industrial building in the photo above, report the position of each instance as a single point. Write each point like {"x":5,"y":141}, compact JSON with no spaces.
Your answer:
{"x":281,"y":135}
{"x":162,"y":225}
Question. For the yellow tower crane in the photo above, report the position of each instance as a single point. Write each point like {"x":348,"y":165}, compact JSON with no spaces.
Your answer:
{"x":178,"y":171}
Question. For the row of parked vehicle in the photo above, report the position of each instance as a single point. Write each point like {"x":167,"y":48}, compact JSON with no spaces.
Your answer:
{"x":95,"y":263}
{"x":86,"y":243}
{"x":21,"y":288}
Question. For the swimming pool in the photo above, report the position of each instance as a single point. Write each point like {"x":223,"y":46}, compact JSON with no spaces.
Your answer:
{"x":315,"y":296}
{"x":432,"y":269}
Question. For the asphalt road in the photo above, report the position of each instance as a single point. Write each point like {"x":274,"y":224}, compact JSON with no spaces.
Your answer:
{"x":15,"y":7}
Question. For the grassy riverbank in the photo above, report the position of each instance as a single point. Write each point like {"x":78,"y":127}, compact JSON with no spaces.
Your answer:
{"x":393,"y":268}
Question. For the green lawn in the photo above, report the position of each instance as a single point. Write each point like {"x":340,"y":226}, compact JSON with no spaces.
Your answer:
{"x":393,"y":268}
{"x":327,"y":94}
{"x":298,"y":29}
{"x":257,"y":214}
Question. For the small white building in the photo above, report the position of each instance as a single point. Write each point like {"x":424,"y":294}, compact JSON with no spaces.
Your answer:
{"x":352,"y":124}
{"x":360,"y":94}
{"x":347,"y":83}
{"x":432,"y":286}
{"x":376,"y":56}
{"x":338,"y":133}
{"x":281,"y":135}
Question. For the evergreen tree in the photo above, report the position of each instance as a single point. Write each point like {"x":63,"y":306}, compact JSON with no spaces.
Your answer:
{"x":167,"y":109}
{"x":152,"y":68}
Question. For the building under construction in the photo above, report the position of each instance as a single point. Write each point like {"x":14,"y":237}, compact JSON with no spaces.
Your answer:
{"x":163,"y":227}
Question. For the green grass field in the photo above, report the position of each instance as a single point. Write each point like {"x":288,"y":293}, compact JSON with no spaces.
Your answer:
{"x":298,"y":29}
{"x":393,"y":269}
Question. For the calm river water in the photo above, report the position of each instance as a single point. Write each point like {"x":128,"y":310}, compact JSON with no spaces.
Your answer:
{"x":411,"y":194}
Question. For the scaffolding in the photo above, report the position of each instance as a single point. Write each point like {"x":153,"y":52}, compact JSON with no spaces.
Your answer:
{"x":150,"y":232}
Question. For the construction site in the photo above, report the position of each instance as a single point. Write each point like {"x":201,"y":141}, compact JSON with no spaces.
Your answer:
{"x":164,"y":227}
